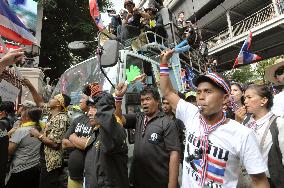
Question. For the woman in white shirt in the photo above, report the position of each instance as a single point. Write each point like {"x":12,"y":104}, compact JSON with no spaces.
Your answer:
{"x":258,"y":103}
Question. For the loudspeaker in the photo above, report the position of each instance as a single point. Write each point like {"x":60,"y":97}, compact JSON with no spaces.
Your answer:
{"x":110,"y":53}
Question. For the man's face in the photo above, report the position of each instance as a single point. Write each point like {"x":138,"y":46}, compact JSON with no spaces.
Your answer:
{"x":91,"y":113}
{"x":210,"y":99}
{"x":129,"y":7}
{"x":83,"y":104}
{"x":181,"y":16}
{"x":149,"y":105}
{"x":166,"y":106}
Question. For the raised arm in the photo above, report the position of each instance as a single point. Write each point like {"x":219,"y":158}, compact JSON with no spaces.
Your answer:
{"x":165,"y":83}
{"x":37,"y":98}
{"x":141,"y":3}
{"x":112,"y":134}
{"x":10,"y":58}
{"x":119,"y":93}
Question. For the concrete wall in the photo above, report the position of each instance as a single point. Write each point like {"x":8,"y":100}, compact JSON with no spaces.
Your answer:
{"x":35,"y":76}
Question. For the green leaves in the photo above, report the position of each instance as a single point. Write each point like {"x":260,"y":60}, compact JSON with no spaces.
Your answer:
{"x":132,"y":72}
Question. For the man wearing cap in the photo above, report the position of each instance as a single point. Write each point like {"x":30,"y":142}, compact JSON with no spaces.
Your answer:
{"x":106,"y":157}
{"x":155,"y":22}
{"x":76,"y":138}
{"x":51,"y":137}
{"x":131,"y":25}
{"x":275,"y":74}
{"x":215,"y":146}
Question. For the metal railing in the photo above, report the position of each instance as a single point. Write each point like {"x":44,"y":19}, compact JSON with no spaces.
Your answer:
{"x":256,"y":19}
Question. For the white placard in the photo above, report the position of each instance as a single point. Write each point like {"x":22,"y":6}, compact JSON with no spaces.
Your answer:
{"x":8,"y":92}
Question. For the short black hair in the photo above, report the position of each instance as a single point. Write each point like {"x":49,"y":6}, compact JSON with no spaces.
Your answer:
{"x":67,"y":100}
{"x":87,"y":90}
{"x":8,"y":107}
{"x":151,"y":90}
{"x":190,"y":98}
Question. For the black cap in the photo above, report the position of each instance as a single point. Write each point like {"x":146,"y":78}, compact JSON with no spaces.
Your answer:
{"x":101,"y":99}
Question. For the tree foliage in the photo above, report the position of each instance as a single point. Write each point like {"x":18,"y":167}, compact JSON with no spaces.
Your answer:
{"x":65,"y":21}
{"x":251,"y":73}
{"x":243,"y":74}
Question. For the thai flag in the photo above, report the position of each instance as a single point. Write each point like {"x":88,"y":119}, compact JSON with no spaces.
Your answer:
{"x":245,"y":57}
{"x":215,"y":169}
{"x":19,"y":2}
{"x":12,"y":28}
{"x":95,"y":13}
{"x":190,"y":77}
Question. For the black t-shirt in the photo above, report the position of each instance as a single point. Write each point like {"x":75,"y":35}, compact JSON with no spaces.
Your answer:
{"x":4,"y":143}
{"x":76,"y":161}
{"x":152,"y":149}
{"x":135,"y":20}
{"x":181,"y":129}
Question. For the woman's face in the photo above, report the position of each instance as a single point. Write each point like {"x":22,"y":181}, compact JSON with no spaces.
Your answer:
{"x":236,"y":93}
{"x":253,"y":101}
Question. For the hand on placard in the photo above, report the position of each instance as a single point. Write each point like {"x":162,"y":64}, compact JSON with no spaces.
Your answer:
{"x":132,"y":72}
{"x":12,"y":57}
{"x":121,"y":89}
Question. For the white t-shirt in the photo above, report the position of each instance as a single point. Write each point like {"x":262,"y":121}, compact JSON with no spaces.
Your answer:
{"x":230,"y":146}
{"x":262,"y":125}
{"x":278,"y":104}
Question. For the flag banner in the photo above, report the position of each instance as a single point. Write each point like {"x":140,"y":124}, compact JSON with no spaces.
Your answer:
{"x":26,"y":10}
{"x":245,"y":57}
{"x":95,"y":13}
{"x":11,"y":26}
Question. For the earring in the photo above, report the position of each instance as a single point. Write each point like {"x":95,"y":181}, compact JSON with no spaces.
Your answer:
{"x":262,"y":105}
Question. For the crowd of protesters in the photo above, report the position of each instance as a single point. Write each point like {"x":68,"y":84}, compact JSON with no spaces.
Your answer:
{"x":133,"y":20}
{"x":222,"y":135}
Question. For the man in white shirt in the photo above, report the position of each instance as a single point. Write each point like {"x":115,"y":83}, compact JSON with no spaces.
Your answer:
{"x":275,"y":75}
{"x":215,"y":146}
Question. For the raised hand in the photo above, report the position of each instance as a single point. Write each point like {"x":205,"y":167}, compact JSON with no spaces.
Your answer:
{"x":240,"y":114}
{"x":12,"y":57}
{"x":121,"y":89}
{"x":132,"y":72}
{"x":166,"y":55}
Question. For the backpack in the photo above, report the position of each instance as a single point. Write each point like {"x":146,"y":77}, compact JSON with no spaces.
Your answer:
{"x":275,"y":165}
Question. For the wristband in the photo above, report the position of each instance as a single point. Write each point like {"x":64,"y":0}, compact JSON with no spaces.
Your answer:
{"x":40,"y":136}
{"x":164,"y":69}
{"x":118,"y":99}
